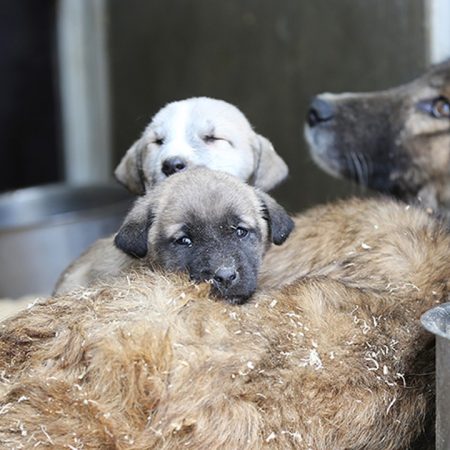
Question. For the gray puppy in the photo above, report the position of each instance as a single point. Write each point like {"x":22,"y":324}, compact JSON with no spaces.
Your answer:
{"x":207,"y":223}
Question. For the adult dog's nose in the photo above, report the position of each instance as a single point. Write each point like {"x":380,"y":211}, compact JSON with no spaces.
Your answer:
{"x":173,"y":165}
{"x":225,"y":277}
{"x":319,"y":111}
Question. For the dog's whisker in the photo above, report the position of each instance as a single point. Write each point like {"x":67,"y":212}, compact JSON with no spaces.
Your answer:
{"x":364,"y":169}
{"x":351,"y":169}
{"x":362,"y":174}
{"x":357,"y":167}
{"x":361,"y":169}
{"x":369,"y":168}
{"x":350,"y":165}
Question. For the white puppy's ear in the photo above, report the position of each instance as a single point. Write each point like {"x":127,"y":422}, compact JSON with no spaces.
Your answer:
{"x":130,"y":171}
{"x":270,"y":169}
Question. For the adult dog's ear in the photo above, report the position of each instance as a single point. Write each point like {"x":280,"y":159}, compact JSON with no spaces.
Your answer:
{"x":130,"y":171}
{"x":280,"y":223}
{"x":270,"y":169}
{"x":132,"y":237}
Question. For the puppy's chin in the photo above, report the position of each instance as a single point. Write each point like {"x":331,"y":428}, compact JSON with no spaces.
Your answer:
{"x":237,"y":300}
{"x":235,"y":296}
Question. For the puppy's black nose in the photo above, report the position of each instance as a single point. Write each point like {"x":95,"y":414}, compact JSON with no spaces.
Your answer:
{"x":225,"y":277}
{"x":173,"y":165}
{"x":319,"y":111}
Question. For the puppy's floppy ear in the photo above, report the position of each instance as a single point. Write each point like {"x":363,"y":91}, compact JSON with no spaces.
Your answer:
{"x":270,"y":169}
{"x":280,"y":223}
{"x":130,"y":171}
{"x":132,"y":237}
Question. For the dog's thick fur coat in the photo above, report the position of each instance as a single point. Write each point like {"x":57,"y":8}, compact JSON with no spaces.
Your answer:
{"x":335,"y":360}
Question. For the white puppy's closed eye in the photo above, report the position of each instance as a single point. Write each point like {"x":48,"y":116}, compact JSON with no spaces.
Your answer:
{"x":210,"y":138}
{"x":195,"y":132}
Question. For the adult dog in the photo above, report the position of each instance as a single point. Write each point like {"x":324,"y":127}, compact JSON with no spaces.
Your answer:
{"x":336,"y":360}
{"x":200,"y":131}
{"x":395,"y":141}
{"x":205,"y":222}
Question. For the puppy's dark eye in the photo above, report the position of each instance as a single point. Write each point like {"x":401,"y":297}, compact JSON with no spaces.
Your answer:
{"x":438,"y":108}
{"x":185,"y":241}
{"x":159,"y":141}
{"x":241,"y":232}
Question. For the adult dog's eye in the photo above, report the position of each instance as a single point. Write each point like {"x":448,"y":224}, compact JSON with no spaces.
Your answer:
{"x":185,"y":241}
{"x":441,"y":107}
{"x":159,"y":141}
{"x":241,"y":232}
{"x":438,"y":108}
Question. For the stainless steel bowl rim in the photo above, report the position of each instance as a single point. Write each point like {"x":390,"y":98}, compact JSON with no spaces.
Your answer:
{"x":437,"y":320}
{"x":60,"y":219}
{"x":120,"y":199}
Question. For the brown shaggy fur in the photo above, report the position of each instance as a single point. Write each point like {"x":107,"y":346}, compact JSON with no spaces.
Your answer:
{"x":360,"y":241}
{"x":335,"y":360}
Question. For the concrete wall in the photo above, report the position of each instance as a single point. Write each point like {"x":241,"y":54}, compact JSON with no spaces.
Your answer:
{"x":267,"y":57}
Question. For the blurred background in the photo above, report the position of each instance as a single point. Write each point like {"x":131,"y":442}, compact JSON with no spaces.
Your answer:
{"x":80,"y":79}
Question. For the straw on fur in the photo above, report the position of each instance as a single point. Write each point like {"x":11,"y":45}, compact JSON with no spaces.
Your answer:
{"x":336,"y":360}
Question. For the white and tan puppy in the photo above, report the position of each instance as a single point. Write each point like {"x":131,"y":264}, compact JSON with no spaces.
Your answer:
{"x":200,"y":131}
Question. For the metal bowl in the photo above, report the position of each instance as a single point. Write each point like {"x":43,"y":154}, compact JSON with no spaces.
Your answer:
{"x":437,"y":321}
{"x":43,"y":229}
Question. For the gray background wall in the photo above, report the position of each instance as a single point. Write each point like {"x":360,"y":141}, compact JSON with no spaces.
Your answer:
{"x":267,"y":57}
